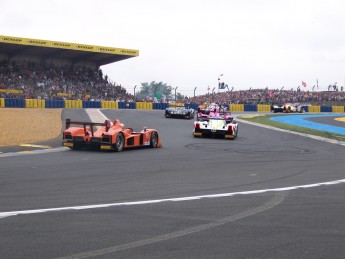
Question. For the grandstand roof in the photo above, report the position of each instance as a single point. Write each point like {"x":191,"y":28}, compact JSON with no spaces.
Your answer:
{"x":75,"y":52}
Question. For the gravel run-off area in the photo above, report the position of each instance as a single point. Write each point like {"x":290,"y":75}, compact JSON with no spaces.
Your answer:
{"x":25,"y":126}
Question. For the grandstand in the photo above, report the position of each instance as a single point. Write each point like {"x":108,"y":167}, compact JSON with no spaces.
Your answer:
{"x":34,"y":68}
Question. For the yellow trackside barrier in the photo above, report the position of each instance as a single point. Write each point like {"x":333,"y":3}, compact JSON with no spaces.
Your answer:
{"x":149,"y":106}
{"x":337,"y":108}
{"x":314,"y":109}
{"x":114,"y":105}
{"x":67,"y":103}
{"x":144,"y":106}
{"x":2,"y":102}
{"x":34,"y":103}
{"x":27,"y":103}
{"x":264,"y":108}
{"x":139,"y":105}
{"x":41,"y":103}
{"x":237,"y":107}
{"x":105,"y":104}
{"x":74,"y":104}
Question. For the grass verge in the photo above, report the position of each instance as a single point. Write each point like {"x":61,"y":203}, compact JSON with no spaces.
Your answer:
{"x":265,"y":120}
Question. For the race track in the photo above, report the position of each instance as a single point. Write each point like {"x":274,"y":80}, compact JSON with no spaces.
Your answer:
{"x":266,"y":194}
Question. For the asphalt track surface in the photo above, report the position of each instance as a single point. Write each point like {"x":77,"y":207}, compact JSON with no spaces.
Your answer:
{"x":266,"y":194}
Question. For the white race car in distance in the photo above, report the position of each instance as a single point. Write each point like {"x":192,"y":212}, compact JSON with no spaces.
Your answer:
{"x":216,"y":127}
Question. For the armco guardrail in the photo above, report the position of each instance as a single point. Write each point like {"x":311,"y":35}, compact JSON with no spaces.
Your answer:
{"x":38,"y":103}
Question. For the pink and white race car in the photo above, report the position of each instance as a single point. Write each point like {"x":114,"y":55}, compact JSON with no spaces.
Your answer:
{"x":215,"y":123}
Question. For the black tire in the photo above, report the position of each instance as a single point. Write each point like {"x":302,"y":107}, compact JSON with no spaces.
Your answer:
{"x":236,"y":133}
{"x":120,"y":142}
{"x":154,"y":139}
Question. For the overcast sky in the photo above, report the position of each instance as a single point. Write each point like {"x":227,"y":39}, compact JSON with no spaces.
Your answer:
{"x":189,"y":43}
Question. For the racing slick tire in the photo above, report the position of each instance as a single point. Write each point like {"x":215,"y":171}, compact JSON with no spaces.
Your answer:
{"x":119,"y":143}
{"x":236,"y":133}
{"x":154,"y":139}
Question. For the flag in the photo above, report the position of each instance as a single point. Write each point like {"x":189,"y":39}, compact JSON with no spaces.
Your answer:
{"x":304,"y":84}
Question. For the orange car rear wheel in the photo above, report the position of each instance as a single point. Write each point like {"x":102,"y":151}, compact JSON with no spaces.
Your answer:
{"x":154,"y":139}
{"x":120,"y":141}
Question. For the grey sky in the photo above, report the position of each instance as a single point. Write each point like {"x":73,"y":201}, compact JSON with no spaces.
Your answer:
{"x":258,"y":44}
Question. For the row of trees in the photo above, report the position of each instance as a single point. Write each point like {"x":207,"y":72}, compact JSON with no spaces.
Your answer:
{"x":158,"y":90}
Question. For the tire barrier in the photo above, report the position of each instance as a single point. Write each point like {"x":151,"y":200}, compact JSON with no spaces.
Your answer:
{"x":38,"y":103}
{"x":326,"y":108}
{"x":159,"y":106}
{"x":55,"y":104}
{"x":236,"y":107}
{"x":191,"y":106}
{"x":14,"y":103}
{"x":314,"y":109}
{"x":337,"y":108}
{"x":73,"y":104}
{"x":264,"y":108}
{"x":250,"y":108}
{"x":127,"y":105}
{"x":305,"y":108}
{"x":91,"y":104}
{"x":144,"y":106}
{"x":109,"y":105}
{"x":35,"y":103}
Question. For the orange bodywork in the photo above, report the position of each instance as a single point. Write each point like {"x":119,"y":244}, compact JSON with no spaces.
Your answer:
{"x":107,"y":136}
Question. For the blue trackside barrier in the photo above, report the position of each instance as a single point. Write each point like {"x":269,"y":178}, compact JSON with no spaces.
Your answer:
{"x":55,"y":104}
{"x":157,"y":106}
{"x":95,"y":104}
{"x":326,"y":108}
{"x":14,"y":102}
{"x":191,"y":106}
{"x":92,"y":104}
{"x":86,"y":104}
{"x":122,"y":105}
{"x":225,"y":106}
{"x":127,"y":105}
{"x":48,"y":104}
{"x":250,"y":108}
{"x":305,"y":108}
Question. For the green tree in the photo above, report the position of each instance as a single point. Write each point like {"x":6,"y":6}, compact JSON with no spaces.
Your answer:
{"x":158,"y":90}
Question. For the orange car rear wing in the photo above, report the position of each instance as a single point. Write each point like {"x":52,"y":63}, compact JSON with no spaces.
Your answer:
{"x":91,"y":125}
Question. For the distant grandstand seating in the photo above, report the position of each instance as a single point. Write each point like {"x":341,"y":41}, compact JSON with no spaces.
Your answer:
{"x":32,"y":80}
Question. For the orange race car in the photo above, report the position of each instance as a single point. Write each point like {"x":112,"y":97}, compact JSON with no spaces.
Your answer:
{"x":107,"y":136}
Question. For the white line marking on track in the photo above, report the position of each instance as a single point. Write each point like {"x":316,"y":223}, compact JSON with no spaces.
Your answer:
{"x":132,"y":203}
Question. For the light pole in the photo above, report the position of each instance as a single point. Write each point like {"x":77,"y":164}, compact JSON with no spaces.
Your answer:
{"x":134,"y":90}
{"x":194,"y":91}
{"x":175,"y":92}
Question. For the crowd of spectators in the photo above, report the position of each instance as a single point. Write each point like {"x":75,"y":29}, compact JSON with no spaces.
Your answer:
{"x":269,"y":96}
{"x":33,"y":80}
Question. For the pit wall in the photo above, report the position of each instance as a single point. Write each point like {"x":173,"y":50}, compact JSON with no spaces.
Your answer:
{"x":37,"y":103}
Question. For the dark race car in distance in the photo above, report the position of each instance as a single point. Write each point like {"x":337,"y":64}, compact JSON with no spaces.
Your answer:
{"x":179,"y":113}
